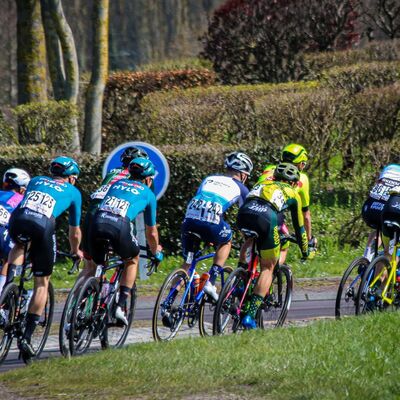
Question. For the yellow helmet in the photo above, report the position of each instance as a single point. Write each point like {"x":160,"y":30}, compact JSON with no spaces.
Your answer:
{"x":294,"y":153}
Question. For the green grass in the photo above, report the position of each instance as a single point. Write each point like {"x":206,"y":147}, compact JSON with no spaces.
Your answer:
{"x":358,"y":358}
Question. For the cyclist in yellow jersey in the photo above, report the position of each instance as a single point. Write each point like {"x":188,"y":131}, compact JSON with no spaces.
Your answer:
{"x":260,"y":214}
{"x":297,"y":155}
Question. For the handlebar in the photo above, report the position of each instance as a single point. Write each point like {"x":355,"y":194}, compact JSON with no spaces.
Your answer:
{"x":75,"y":261}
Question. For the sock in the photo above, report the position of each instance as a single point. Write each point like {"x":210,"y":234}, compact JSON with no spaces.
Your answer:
{"x":31,"y":322}
{"x":124,"y":292}
{"x":2,"y":282}
{"x":255,"y":302}
{"x":214,"y":271}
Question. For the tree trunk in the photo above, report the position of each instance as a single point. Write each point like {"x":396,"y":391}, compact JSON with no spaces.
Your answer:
{"x":94,"y":95}
{"x":31,"y":53}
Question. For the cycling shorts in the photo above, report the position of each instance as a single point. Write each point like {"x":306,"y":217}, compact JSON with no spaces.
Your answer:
{"x":372,"y":211}
{"x":259,"y":216}
{"x":216,"y":234}
{"x":115,"y":229}
{"x":391,"y":212}
{"x":41,"y":232}
{"x":5,"y":242}
{"x":86,"y":232}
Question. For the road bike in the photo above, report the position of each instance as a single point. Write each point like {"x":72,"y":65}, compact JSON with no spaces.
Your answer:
{"x":380,"y":284}
{"x":183,"y":297}
{"x":91,"y":312}
{"x":272,"y":313}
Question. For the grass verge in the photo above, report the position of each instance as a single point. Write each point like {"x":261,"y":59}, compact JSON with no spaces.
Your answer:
{"x":356,"y":358}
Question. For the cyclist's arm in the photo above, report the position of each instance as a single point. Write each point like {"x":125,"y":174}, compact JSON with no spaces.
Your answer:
{"x":150,"y":222}
{"x":75,"y":237}
{"x":294,"y":204}
{"x":307,"y":223}
{"x":74,"y":232}
{"x":304,"y":193}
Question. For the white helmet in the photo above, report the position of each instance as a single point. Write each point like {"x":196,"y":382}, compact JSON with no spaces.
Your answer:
{"x":239,"y":162}
{"x":16,"y":177}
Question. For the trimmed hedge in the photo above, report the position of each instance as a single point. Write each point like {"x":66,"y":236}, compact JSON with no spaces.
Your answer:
{"x":7,"y":134}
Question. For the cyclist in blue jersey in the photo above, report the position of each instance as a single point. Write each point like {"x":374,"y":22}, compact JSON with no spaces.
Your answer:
{"x":113,"y":220}
{"x":205,"y":212}
{"x":34,"y":220}
{"x":15,"y":181}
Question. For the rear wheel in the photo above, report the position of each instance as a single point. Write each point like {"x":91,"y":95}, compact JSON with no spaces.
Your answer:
{"x":346,"y":297}
{"x":227,"y":315}
{"x":8,"y":309}
{"x":207,"y":306}
{"x":84,"y":317}
{"x":274,"y":309}
{"x":168,"y":313}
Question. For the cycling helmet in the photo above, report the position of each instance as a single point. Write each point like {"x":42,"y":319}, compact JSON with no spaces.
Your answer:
{"x":141,"y":168}
{"x":294,"y":153}
{"x":286,"y":172}
{"x":64,"y":166}
{"x":15,"y":178}
{"x":239,"y":162}
{"x":131,"y":153}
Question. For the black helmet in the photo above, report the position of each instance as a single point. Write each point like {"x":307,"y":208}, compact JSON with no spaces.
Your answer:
{"x":130,"y":153}
{"x":286,"y":172}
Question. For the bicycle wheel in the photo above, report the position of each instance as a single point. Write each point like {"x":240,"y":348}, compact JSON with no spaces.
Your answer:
{"x":207,"y":306}
{"x":168,"y":313}
{"x":65,"y":323}
{"x":227,"y":316}
{"x":349,"y":285}
{"x":115,"y":333}
{"x":42,"y":329}
{"x":368,"y":298}
{"x":276,"y":304}
{"x":84,"y":317}
{"x":8,"y":308}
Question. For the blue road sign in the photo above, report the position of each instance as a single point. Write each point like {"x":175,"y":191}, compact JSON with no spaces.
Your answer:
{"x":161,"y":178}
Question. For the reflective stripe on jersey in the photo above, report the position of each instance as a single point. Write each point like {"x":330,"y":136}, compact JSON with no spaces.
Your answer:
{"x":52,"y":197}
{"x":214,"y":196}
{"x":9,"y":200}
{"x":128,"y":198}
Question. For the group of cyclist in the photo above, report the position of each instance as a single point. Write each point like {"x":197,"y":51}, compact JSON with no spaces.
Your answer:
{"x":30,"y":207}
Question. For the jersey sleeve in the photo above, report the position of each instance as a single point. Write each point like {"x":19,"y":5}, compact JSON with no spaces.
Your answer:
{"x":150,"y":211}
{"x":294,"y":203}
{"x":304,"y":191}
{"x":75,"y":208}
{"x":244,"y":191}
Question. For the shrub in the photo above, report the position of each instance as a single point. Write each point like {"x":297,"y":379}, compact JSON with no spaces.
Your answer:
{"x":50,"y":123}
{"x":7,"y":133}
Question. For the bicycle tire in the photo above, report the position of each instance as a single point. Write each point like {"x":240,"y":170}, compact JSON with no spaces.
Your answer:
{"x":346,"y":297}
{"x":273,"y":311}
{"x":173,"y":315}
{"x":207,"y":308}
{"x":114,"y":334}
{"x":83,"y":317}
{"x":8,"y":303}
{"x":366,"y":300}
{"x":42,"y":330}
{"x":65,"y":322}
{"x":226,"y":317}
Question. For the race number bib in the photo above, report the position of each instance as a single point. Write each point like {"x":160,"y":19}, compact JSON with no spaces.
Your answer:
{"x":203,"y":210}
{"x":278,"y":200}
{"x":4,"y":216}
{"x":380,"y":192}
{"x":115,"y":205}
{"x":100,"y":193}
{"x":40,"y":202}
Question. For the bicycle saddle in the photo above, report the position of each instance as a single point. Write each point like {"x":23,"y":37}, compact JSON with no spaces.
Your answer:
{"x":392,"y":224}
{"x":24,"y":238}
{"x":249,"y":233}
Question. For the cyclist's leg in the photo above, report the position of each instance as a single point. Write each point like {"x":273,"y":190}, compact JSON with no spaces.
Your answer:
{"x":89,"y":268}
{"x":391,"y":212}
{"x":5,"y":247}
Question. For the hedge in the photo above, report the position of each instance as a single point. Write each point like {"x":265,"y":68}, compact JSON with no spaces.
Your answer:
{"x":7,"y":133}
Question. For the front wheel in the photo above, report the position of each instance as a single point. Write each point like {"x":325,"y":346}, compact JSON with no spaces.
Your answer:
{"x":169,"y":310}
{"x":207,"y":306}
{"x":273,"y":311}
{"x":346,"y":297}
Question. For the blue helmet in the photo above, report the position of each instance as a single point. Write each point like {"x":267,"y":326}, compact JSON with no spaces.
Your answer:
{"x":64,"y":166}
{"x":141,"y":168}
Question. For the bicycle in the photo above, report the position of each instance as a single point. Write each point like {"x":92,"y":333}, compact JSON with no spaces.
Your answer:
{"x":180,"y":298}
{"x":14,"y":302}
{"x":380,"y":290}
{"x":92,"y":314}
{"x":272,"y":313}
{"x":349,"y":285}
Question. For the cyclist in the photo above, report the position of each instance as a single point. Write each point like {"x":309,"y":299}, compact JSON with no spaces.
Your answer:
{"x":297,"y":155}
{"x":205,"y":212}
{"x":112,"y":222}
{"x":391,"y":212}
{"x":260,"y":214}
{"x":97,"y":196}
{"x":15,"y":181}
{"x":46,"y":198}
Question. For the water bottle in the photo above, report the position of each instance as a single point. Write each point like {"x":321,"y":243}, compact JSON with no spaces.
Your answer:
{"x":105,"y":288}
{"x":196,"y":283}
{"x":203,"y":280}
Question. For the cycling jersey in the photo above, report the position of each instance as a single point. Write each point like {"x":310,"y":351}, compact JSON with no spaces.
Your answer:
{"x":127,"y":198}
{"x":51,"y":197}
{"x":302,"y":187}
{"x":215,"y":195}
{"x":9,"y":201}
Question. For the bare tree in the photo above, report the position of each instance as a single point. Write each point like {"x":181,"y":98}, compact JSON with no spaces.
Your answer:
{"x":94,"y":95}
